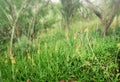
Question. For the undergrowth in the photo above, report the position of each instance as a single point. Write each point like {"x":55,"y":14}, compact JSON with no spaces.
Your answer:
{"x":63,"y":55}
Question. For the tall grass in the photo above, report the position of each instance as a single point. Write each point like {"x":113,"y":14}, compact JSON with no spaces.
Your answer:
{"x":57,"y":55}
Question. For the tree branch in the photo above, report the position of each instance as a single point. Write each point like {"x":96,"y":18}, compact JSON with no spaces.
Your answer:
{"x":94,"y":9}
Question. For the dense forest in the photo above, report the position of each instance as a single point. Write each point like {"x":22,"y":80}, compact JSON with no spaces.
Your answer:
{"x":59,"y":41}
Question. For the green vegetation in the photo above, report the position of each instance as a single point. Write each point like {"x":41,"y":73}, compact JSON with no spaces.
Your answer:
{"x":56,"y":55}
{"x":43,"y":51}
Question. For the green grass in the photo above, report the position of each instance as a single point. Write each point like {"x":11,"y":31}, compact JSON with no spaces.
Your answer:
{"x":81,"y":54}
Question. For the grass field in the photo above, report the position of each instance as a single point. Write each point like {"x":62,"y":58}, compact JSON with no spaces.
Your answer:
{"x":80,"y":54}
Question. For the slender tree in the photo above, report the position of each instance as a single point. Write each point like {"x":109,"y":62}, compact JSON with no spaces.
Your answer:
{"x":68,"y":9}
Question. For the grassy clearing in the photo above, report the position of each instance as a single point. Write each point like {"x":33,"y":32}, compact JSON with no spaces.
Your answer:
{"x":80,"y":54}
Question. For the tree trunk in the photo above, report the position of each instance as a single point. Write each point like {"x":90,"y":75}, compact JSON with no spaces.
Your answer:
{"x":67,"y":26}
{"x":106,"y":24}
